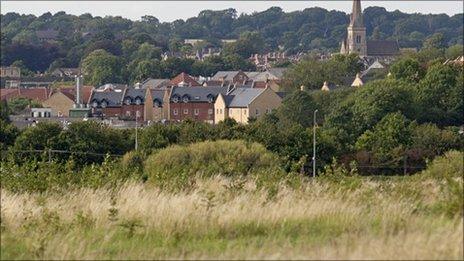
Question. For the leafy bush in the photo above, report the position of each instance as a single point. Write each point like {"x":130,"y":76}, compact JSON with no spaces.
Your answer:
{"x":178,"y":166}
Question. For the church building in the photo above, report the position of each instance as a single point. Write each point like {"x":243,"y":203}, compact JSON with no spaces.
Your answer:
{"x":356,"y":40}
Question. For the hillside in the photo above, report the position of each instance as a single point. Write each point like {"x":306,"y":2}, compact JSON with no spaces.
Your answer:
{"x":73,"y":37}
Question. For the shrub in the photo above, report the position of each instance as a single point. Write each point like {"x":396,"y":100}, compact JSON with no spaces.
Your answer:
{"x":177,"y":166}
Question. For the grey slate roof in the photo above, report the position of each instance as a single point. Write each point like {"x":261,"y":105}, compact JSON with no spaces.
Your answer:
{"x":134,"y":93}
{"x":155,"y":83}
{"x":157,"y":95}
{"x":382,"y":48}
{"x":243,"y":96}
{"x":198,"y":94}
{"x":114,"y":98}
{"x":226,"y":75}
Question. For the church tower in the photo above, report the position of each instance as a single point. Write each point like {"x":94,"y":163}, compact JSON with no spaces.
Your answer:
{"x":356,"y":41}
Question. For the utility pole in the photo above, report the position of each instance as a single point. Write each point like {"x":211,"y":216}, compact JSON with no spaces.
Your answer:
{"x":136,"y":133}
{"x":314,"y":144}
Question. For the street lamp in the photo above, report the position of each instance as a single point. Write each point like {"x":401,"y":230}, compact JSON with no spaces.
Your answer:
{"x":314,"y":144}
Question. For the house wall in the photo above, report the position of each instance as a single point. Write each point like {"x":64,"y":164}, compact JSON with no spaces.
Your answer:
{"x":130,"y":111}
{"x":59,"y":103}
{"x":240,"y":115}
{"x":220,"y":110}
{"x":148,"y":107}
{"x":261,"y":105}
{"x":111,"y":112}
{"x":205,"y":111}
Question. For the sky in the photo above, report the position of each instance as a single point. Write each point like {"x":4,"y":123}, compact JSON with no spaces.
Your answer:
{"x":168,"y":11}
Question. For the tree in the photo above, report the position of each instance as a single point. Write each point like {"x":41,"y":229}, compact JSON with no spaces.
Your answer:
{"x":41,"y":137}
{"x":158,"y":136}
{"x":388,"y":139}
{"x":407,"y":69}
{"x":434,"y":41}
{"x":8,"y":134}
{"x":249,"y":43}
{"x":101,"y":67}
{"x":454,"y":51}
{"x":146,"y":69}
{"x":439,"y":96}
{"x":297,"y":107}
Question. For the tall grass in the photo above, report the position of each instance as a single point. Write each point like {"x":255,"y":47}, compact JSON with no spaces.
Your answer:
{"x":335,"y":217}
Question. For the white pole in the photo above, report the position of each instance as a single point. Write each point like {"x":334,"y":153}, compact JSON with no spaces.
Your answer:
{"x":314,"y":144}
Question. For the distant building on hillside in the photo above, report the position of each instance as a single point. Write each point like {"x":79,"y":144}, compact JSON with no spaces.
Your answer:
{"x":10,"y":71}
{"x":356,"y":40}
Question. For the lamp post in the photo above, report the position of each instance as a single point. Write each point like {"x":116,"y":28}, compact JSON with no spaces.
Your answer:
{"x":314,"y":144}
{"x":136,"y":133}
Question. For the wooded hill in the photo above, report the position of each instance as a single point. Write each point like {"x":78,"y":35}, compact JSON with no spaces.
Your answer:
{"x":307,"y":30}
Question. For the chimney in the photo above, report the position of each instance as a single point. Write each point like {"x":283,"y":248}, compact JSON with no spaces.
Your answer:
{"x":78,"y":90}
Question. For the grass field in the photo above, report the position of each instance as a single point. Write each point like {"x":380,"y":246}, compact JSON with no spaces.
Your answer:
{"x":416,"y":217}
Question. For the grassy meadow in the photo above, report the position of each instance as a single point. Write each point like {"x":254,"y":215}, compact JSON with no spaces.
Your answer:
{"x":332,"y":217}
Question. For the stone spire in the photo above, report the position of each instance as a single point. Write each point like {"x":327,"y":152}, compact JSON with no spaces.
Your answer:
{"x":356,"y":15}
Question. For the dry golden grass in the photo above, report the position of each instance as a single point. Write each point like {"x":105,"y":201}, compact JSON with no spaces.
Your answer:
{"x":374,"y":220}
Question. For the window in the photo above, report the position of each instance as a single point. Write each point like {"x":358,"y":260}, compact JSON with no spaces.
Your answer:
{"x":138,"y":101}
{"x":257,"y":111}
{"x":186,"y":111}
{"x":128,"y":113}
{"x":185,"y":99}
{"x":196,"y":111}
{"x":95,"y":104}
{"x":268,"y":110}
{"x":175,"y":99}
{"x":127,"y":101}
{"x":210,"y":111}
{"x":175,"y":112}
{"x":244,"y":111}
{"x":137,"y":114}
{"x":358,"y":39}
{"x":104,"y":104}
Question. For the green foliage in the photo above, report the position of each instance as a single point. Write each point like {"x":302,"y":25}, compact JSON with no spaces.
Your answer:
{"x":407,"y":69}
{"x":178,"y":166}
{"x":8,"y":134}
{"x":297,"y":107}
{"x":18,"y":105}
{"x":388,"y":139}
{"x":312,"y":73}
{"x":101,"y":67}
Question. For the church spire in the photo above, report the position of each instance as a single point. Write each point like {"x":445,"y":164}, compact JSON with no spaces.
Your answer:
{"x":356,"y":15}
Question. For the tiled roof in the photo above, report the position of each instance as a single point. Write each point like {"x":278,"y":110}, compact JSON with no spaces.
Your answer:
{"x":244,"y":96}
{"x":225,"y":75}
{"x":185,"y":79}
{"x":382,"y":48}
{"x":198,"y":94}
{"x":155,"y":83}
{"x":38,"y":94}
{"x":158,"y":95}
{"x":113,"y":98}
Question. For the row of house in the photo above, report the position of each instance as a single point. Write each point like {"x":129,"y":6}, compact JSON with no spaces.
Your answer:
{"x":209,"y":104}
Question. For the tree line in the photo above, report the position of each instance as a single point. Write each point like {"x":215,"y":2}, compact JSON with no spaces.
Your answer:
{"x":311,"y":29}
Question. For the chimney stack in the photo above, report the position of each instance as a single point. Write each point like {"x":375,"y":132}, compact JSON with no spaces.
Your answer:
{"x":78,"y":90}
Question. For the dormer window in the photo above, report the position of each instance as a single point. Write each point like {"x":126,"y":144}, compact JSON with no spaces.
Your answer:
{"x":157,"y":103}
{"x":138,"y":101}
{"x":95,"y":104}
{"x":210,"y":98}
{"x":128,"y":101}
{"x":185,"y":99}
{"x":104,"y":104}
{"x":175,"y":99}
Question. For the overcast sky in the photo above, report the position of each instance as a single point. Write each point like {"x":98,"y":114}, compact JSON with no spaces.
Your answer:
{"x":167,"y":11}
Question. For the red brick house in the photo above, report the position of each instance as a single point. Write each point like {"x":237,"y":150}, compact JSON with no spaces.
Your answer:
{"x":196,"y":103}
{"x":127,"y":104}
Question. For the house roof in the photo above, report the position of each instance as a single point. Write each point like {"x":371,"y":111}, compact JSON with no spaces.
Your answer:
{"x":382,"y":48}
{"x":184,"y":79}
{"x":278,"y":72}
{"x":225,"y":75}
{"x":70,"y":92}
{"x":113,"y":98}
{"x":158,"y":95}
{"x":244,"y":96}
{"x":111,"y":87}
{"x":155,"y":83}
{"x":198,"y":94}
{"x":38,"y":94}
{"x":134,"y":93}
